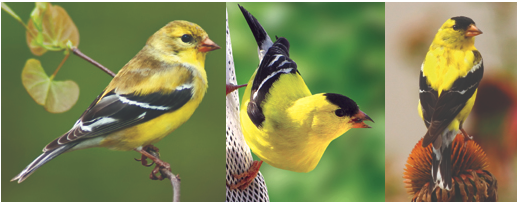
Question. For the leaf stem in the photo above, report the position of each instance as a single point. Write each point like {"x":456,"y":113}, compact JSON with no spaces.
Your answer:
{"x":61,"y":64}
{"x":16,"y":17}
{"x":76,"y":51}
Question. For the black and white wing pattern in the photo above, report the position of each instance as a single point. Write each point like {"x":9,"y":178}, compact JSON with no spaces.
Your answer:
{"x":275,"y":63}
{"x":115,"y":112}
{"x":111,"y":112}
{"x":439,"y":111}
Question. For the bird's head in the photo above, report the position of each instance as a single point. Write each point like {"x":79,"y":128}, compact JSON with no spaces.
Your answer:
{"x":336,"y":114}
{"x":457,"y":30}
{"x":182,"y":37}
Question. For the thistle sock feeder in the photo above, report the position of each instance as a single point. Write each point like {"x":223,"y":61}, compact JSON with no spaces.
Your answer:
{"x":238,"y":154}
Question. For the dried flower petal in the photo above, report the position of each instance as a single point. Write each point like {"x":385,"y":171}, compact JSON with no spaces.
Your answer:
{"x":470,"y":181}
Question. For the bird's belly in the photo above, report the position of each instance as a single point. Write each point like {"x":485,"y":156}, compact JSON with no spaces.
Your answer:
{"x":289,"y":153}
{"x":149,"y":132}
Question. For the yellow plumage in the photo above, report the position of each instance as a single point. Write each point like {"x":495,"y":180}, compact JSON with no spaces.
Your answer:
{"x":450,"y":75}
{"x":298,"y":127}
{"x":151,"y":96}
{"x":150,"y":132}
{"x":282,"y":122}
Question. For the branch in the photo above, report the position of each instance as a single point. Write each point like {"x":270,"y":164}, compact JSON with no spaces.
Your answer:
{"x":152,"y":153}
{"x":175,"y":181}
{"x":76,"y":51}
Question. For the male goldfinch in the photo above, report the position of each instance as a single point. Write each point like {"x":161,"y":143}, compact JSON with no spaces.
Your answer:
{"x":450,"y":75}
{"x":282,"y":122}
{"x":151,"y":96}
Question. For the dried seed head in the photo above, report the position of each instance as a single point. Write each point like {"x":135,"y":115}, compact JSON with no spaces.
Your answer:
{"x":470,"y":181}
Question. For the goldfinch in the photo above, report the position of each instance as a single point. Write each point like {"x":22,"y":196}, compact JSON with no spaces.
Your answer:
{"x":282,"y":122}
{"x":450,"y":75}
{"x":152,"y":95}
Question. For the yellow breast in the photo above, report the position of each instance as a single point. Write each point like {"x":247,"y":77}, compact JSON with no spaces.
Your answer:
{"x":284,"y":140}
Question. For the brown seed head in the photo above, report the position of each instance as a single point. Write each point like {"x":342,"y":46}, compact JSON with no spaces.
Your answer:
{"x":470,"y":181}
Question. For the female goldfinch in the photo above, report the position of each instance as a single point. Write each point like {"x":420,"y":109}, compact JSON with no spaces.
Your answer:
{"x":151,"y":96}
{"x":282,"y":122}
{"x":450,"y":75}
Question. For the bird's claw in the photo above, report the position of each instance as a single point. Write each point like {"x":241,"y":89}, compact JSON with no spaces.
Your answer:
{"x":152,"y":153}
{"x":144,"y":162}
{"x":246,"y":178}
{"x":157,"y":169}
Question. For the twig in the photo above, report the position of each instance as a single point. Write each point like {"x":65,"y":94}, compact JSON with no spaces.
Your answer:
{"x":176,"y":183}
{"x":76,"y":51}
{"x":152,"y":153}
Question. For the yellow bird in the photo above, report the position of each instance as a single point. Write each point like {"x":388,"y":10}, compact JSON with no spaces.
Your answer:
{"x":282,"y":122}
{"x":450,"y":75}
{"x":151,"y":96}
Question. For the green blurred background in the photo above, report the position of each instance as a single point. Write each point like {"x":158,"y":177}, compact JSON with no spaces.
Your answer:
{"x":339,"y":48}
{"x":111,"y":33}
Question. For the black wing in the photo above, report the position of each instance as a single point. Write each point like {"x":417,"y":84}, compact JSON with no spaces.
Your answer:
{"x":263,"y":40}
{"x":438,"y":112}
{"x":115,"y":112}
{"x":275,"y":63}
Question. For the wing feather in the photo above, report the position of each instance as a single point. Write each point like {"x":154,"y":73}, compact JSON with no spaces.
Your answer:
{"x":275,"y":63}
{"x":114,"y":112}
{"x":439,"y":112}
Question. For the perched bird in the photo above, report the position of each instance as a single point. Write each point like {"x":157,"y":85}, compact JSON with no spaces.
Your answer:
{"x":450,"y":75}
{"x":152,"y":95}
{"x":282,"y":122}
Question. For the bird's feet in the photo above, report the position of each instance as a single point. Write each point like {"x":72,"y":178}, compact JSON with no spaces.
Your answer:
{"x":150,"y":149}
{"x":152,"y":153}
{"x":247,"y":177}
{"x":231,"y":87}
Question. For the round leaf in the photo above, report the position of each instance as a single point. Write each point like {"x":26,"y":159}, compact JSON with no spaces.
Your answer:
{"x":35,"y":81}
{"x":62,"y":96}
{"x":55,"y":96}
{"x":50,"y":28}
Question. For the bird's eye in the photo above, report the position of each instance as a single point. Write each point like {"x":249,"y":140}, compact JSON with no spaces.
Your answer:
{"x":455,"y":27}
{"x":186,"y":38}
{"x":340,"y":113}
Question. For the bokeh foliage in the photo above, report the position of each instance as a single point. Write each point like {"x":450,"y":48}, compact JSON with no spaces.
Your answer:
{"x":111,"y":33}
{"x":339,"y":48}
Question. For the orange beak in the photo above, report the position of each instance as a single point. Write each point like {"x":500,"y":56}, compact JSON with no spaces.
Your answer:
{"x":358,"y":119}
{"x":207,"y":45}
{"x":473,"y":31}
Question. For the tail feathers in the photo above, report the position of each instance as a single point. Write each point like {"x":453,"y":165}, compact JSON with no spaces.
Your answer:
{"x":263,"y":40}
{"x":42,"y":159}
{"x":441,"y":167}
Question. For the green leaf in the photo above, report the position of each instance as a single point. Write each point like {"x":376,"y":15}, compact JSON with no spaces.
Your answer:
{"x":51,"y":29}
{"x":55,"y":96}
{"x":37,"y":14}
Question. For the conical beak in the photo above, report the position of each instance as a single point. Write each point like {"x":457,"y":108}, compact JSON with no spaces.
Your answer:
{"x":207,"y":45}
{"x":358,"y":119}
{"x":473,"y":31}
